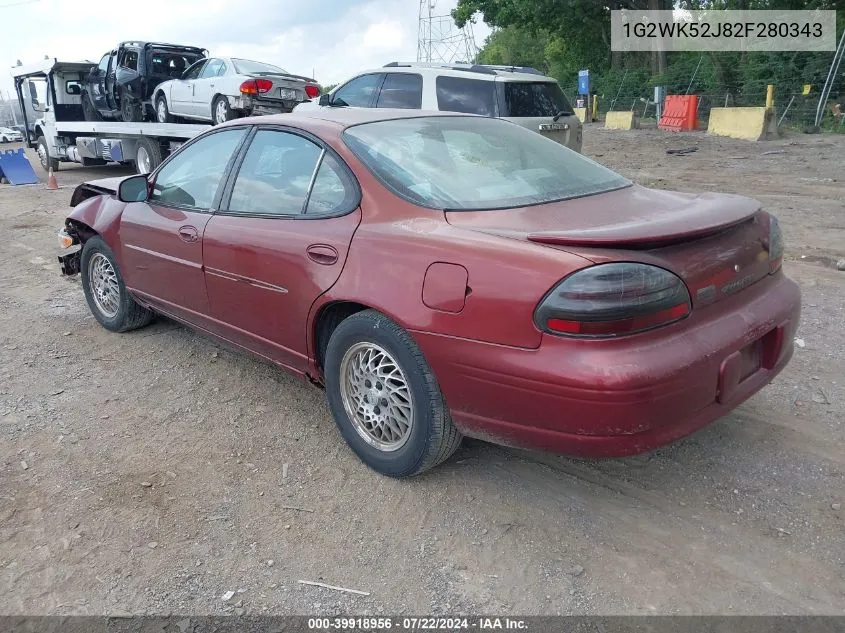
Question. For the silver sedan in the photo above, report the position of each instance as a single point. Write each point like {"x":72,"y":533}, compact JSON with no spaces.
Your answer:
{"x":219,"y":89}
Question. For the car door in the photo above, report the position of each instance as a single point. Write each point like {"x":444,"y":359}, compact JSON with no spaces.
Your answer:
{"x":278,"y":242}
{"x":401,"y":90}
{"x":204,"y":88}
{"x":182,"y":92}
{"x":162,"y":238}
{"x":109,"y":82}
{"x":359,"y":92}
{"x":97,"y":84}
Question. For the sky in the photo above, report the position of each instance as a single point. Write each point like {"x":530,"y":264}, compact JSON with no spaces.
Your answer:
{"x":334,"y":39}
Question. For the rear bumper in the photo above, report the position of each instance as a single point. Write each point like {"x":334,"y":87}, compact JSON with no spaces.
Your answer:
{"x":618,"y":397}
{"x":251,"y":105}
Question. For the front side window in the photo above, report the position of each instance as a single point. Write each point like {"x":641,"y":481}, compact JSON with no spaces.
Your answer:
{"x":469,"y":163}
{"x":104,"y":63}
{"x":194,"y":71}
{"x":275,"y":175}
{"x":469,"y":96}
{"x":359,"y":92}
{"x":401,"y":90}
{"x":191,"y":178}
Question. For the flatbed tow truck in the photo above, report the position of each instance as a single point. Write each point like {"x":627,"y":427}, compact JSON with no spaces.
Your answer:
{"x":50,"y":97}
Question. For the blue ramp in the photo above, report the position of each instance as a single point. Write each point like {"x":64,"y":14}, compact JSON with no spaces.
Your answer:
{"x":15,"y":167}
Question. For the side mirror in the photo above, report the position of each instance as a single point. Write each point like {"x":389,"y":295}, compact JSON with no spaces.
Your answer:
{"x":325,"y":100}
{"x":133,"y":189}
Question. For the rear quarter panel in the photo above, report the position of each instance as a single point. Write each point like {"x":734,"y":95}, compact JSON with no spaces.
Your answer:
{"x":397,"y":242}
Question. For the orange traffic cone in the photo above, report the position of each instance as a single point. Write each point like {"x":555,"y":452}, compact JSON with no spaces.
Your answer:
{"x":51,"y":180}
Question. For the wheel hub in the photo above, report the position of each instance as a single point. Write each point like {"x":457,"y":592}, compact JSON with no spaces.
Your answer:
{"x":102,"y":281}
{"x":376,"y":396}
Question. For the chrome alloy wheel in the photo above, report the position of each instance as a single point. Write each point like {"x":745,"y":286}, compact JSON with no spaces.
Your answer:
{"x":376,"y":396}
{"x":161,"y":111}
{"x":102,"y":281}
{"x":220,"y":111}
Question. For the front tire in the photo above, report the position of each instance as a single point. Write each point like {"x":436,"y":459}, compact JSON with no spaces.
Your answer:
{"x":89,"y":112}
{"x":385,"y":399}
{"x":47,"y":162}
{"x":162,"y":111}
{"x":106,"y":294}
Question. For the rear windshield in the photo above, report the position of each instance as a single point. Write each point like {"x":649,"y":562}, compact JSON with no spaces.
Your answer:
{"x":474,"y":163}
{"x":531,"y":99}
{"x":171,"y":63}
{"x":248,"y":67}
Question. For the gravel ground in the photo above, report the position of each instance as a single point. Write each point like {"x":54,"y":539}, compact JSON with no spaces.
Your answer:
{"x":153,"y":472}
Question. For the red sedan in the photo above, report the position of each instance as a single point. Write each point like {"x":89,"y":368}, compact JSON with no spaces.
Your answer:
{"x":445,"y":275}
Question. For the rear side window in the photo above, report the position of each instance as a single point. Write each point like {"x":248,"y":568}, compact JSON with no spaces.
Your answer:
{"x":275,"y":175}
{"x":401,"y":90}
{"x":213,"y":68}
{"x":531,"y":99}
{"x":333,"y":190}
{"x":470,"y":96}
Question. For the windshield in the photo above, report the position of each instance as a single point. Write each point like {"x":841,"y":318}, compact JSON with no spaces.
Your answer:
{"x":533,"y":99}
{"x":247,"y":67}
{"x":469,"y":163}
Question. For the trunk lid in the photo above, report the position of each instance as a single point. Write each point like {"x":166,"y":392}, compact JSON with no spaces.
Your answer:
{"x":286,"y":87}
{"x":716,"y":243}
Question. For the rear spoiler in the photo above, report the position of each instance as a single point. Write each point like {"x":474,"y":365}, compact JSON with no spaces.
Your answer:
{"x":286,"y":76}
{"x":177,"y":47}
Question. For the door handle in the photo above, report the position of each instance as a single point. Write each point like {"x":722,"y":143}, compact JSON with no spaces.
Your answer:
{"x":188,"y":233}
{"x":322,"y":254}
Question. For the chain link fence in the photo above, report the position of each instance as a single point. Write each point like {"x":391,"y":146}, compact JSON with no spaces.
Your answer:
{"x":795,"y":105}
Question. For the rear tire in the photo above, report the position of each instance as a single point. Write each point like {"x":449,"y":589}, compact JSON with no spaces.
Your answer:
{"x":130,"y":110}
{"x":89,"y":112}
{"x":385,"y":399}
{"x":106,"y":294}
{"x":220,"y":110}
{"x":147,"y":155}
{"x":47,"y":163}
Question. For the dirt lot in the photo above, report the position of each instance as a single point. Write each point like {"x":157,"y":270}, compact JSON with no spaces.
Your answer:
{"x":154,"y":471}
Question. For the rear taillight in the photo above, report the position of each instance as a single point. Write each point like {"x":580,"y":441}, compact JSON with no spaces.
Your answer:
{"x":256,"y":86}
{"x":613,"y":300}
{"x":776,"y":246}
{"x":312,"y":91}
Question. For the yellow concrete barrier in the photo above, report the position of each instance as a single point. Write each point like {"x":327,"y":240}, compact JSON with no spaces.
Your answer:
{"x":581,"y":113}
{"x":750,"y":124}
{"x":622,"y":121}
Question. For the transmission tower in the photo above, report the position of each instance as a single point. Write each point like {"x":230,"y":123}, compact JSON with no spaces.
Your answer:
{"x":440,"y":41}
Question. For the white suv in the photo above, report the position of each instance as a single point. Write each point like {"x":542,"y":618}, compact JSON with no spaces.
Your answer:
{"x":518,"y":94}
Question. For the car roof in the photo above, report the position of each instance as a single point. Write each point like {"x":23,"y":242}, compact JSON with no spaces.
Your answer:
{"x":483,"y":73}
{"x":346,"y":116}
